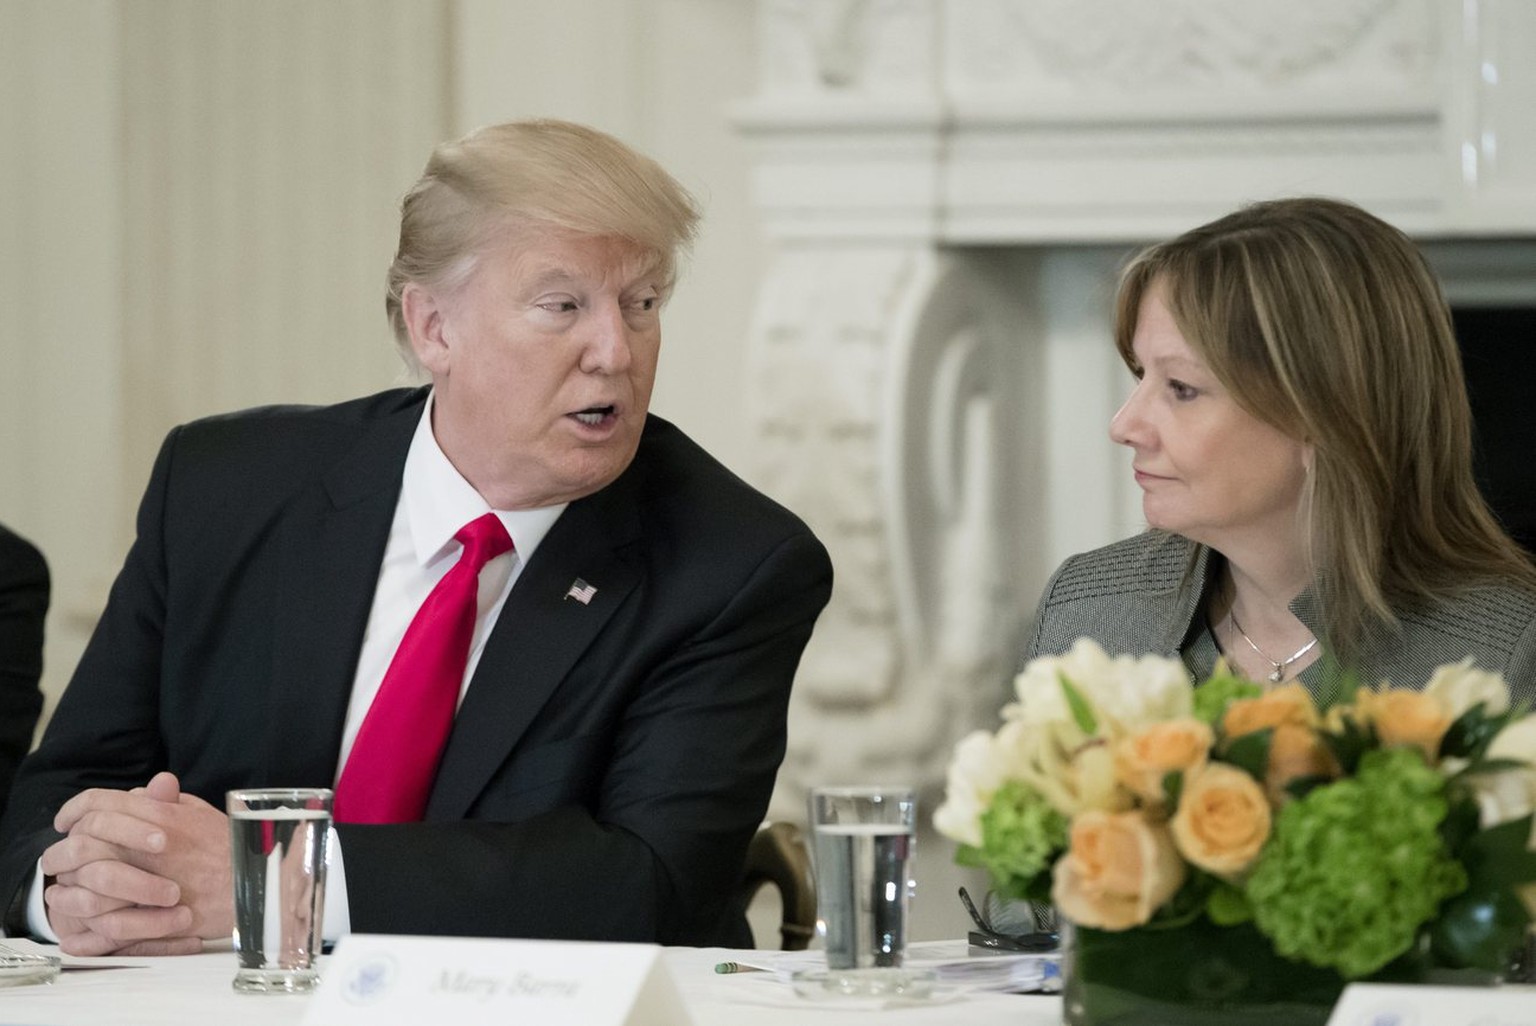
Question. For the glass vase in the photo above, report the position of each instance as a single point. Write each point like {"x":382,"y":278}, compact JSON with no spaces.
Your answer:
{"x":1201,"y":974}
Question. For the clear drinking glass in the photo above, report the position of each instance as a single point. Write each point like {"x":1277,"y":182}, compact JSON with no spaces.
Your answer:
{"x":863,"y":840}
{"x":278,"y":839}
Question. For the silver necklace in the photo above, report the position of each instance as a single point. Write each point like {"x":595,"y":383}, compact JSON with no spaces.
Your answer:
{"x":1280,"y":665}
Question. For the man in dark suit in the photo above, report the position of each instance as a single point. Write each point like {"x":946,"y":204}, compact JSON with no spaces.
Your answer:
{"x":621,"y":703}
{"x":23,"y":605}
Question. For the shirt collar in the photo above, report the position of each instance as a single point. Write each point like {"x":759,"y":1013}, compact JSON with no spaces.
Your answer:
{"x":439,"y":501}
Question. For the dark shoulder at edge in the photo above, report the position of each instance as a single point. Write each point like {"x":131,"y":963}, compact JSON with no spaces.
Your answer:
{"x":18,"y":550}
{"x":268,"y":435}
{"x":354,"y":412}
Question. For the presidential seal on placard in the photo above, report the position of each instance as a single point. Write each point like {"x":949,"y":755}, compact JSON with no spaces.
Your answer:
{"x":370,"y":980}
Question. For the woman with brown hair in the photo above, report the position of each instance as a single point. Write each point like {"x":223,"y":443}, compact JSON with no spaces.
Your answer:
{"x":1303,"y":442}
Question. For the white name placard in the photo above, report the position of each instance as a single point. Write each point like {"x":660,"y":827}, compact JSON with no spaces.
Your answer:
{"x":1380,"y":1004}
{"x":382,"y":980}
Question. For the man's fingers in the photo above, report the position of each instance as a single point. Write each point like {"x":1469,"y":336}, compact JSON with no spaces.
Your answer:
{"x":164,"y":787}
{"x":163,"y":946}
{"x":75,"y":852}
{"x":122,"y":828}
{"x":99,"y":799}
{"x":86,"y":944}
{"x":80,"y":902}
{"x":111,"y":931}
{"x":71,"y":853}
{"x":118,"y":880}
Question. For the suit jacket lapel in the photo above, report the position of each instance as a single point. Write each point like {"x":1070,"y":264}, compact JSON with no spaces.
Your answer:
{"x":539,"y":636}
{"x":332,"y":545}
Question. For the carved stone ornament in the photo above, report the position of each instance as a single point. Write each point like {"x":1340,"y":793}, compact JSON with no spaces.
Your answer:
{"x":834,"y":47}
{"x":863,"y":354}
{"x":1119,"y":45}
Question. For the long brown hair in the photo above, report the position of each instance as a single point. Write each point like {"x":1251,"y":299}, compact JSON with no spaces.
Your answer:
{"x":1328,"y":324}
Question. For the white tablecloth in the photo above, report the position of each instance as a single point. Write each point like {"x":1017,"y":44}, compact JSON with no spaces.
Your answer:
{"x":195,"y":991}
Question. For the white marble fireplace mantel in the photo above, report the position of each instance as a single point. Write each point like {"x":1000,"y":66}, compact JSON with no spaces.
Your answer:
{"x":949,"y":186}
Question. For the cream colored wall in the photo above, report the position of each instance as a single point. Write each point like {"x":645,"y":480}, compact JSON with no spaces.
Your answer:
{"x":198,"y":200}
{"x":662,"y":75}
{"x":61,"y":342}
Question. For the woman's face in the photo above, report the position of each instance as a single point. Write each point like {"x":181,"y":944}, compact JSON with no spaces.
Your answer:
{"x":1208,"y":469}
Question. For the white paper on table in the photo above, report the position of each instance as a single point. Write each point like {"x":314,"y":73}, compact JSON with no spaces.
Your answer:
{"x":1382,"y":1004}
{"x":382,"y":980}
{"x":951,"y":962}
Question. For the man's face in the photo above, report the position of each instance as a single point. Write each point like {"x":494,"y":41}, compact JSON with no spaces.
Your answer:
{"x":542,"y":364}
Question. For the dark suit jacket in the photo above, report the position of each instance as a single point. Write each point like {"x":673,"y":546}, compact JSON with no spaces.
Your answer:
{"x":610,"y":761}
{"x":23,"y":604}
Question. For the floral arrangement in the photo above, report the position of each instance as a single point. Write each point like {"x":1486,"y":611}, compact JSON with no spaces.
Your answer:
{"x":1385,"y":822}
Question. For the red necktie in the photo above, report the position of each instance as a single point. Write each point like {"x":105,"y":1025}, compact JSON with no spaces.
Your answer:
{"x":389,"y":773}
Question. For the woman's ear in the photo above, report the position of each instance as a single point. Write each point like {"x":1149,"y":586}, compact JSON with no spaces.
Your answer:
{"x":425,"y":322}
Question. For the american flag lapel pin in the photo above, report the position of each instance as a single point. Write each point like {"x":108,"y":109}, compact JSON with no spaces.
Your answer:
{"x":581,"y":591}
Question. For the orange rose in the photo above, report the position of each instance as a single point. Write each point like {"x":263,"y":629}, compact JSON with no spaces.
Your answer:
{"x":1405,"y":719}
{"x":1142,"y":759}
{"x":1118,"y":869}
{"x":1222,"y":821}
{"x":1290,"y":704}
{"x":1296,"y":751}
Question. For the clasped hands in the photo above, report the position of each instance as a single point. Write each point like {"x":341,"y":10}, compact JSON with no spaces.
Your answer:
{"x":140,"y":872}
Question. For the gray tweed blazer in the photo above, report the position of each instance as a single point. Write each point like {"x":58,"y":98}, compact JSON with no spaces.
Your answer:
{"x":1146,"y":595}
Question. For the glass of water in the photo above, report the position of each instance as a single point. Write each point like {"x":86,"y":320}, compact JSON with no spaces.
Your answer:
{"x":278,"y":840}
{"x":863,"y":840}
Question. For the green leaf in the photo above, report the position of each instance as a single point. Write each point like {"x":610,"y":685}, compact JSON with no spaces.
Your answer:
{"x":1082,"y":711}
{"x":1173,"y":787}
{"x":1497,"y":858}
{"x":1211,"y":698}
{"x":1349,"y":744}
{"x":1039,"y":888}
{"x":1300,"y":787}
{"x":1471,"y":733}
{"x":1459,"y":826}
{"x":1187,"y":904}
{"x":1480,"y":929}
{"x":1228,"y":906}
{"x":1250,"y":752}
{"x":1483,"y":766}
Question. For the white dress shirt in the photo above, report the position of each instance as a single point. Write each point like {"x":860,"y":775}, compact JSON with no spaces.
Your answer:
{"x":435,"y":503}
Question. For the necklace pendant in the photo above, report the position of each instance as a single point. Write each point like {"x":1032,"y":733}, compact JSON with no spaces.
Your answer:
{"x":1278,"y":674}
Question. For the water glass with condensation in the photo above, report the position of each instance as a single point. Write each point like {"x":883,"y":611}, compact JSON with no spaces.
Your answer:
{"x":278,"y":839}
{"x":863,"y":840}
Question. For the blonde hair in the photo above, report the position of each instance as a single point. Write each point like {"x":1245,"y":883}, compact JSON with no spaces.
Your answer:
{"x":1328,"y":324}
{"x":541,"y":173}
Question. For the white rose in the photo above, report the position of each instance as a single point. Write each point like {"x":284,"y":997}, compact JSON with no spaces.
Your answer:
{"x":1072,"y":772}
{"x":975,"y":774}
{"x":1460,"y":686}
{"x":1147,"y":690}
{"x":1511,"y":794}
{"x":1124,"y":692}
{"x":1038,"y":686}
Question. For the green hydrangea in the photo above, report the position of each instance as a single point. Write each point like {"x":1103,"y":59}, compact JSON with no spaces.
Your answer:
{"x":1211,"y":697}
{"x":1357,"y":867}
{"x":1021,"y":835}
